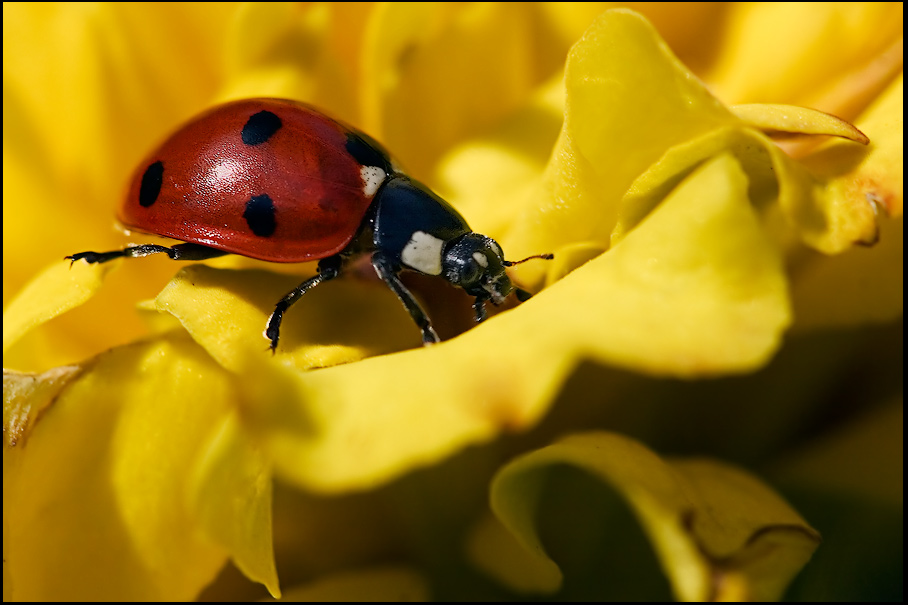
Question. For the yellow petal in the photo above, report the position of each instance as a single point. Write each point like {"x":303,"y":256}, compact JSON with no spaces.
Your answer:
{"x":423,"y":65}
{"x":761,"y":161}
{"x":847,"y":186}
{"x":816,"y":204}
{"x":269,"y":63}
{"x":359,"y":425}
{"x":696,"y":289}
{"x":54,"y":291}
{"x":825,"y":56}
{"x":628,"y":99}
{"x":865,"y":284}
{"x":226,"y":312}
{"x":26,"y":396}
{"x":95,"y":504}
{"x":491,"y":175}
{"x":876,"y":173}
{"x":499,"y":553}
{"x":800,"y":120}
{"x":719,"y":533}
{"x":231,"y":496}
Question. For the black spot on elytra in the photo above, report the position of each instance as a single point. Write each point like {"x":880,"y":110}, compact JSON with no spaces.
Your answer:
{"x":367,"y":151}
{"x":151,"y":184}
{"x":260,"y":128}
{"x":259,"y":215}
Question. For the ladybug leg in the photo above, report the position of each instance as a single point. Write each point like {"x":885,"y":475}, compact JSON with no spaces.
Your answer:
{"x":388,"y":270}
{"x":328,"y":269}
{"x":479,"y":307}
{"x":178,"y":252}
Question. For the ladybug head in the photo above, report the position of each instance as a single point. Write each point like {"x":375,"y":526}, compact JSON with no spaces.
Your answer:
{"x":476,"y":263}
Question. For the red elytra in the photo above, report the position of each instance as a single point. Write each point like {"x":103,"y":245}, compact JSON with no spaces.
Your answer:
{"x":206,"y":176}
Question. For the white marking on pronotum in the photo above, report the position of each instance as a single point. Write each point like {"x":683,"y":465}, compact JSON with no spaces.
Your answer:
{"x":480,"y":258}
{"x":423,"y":253}
{"x":373,"y":177}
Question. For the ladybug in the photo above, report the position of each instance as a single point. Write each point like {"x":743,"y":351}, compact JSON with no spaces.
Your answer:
{"x":280,"y":181}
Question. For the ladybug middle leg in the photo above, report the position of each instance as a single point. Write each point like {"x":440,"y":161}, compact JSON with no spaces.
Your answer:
{"x":328,"y":269}
{"x":388,"y":271}
{"x":178,"y":252}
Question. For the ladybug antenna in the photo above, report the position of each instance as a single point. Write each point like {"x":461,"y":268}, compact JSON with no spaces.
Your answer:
{"x":511,"y":263}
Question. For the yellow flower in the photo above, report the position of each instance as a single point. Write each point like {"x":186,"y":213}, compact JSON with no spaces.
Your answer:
{"x":691,"y":237}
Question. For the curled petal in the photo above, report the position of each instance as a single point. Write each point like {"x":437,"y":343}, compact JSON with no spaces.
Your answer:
{"x":800,"y":120}
{"x":719,"y":533}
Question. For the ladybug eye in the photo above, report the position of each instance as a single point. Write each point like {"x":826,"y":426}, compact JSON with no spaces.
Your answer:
{"x":463,"y":270}
{"x":472,"y":272}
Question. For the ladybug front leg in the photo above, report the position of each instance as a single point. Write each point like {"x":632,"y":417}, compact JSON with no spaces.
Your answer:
{"x":178,"y":252}
{"x":522,"y":295}
{"x":328,"y":269}
{"x":479,"y":308}
{"x":388,"y":270}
